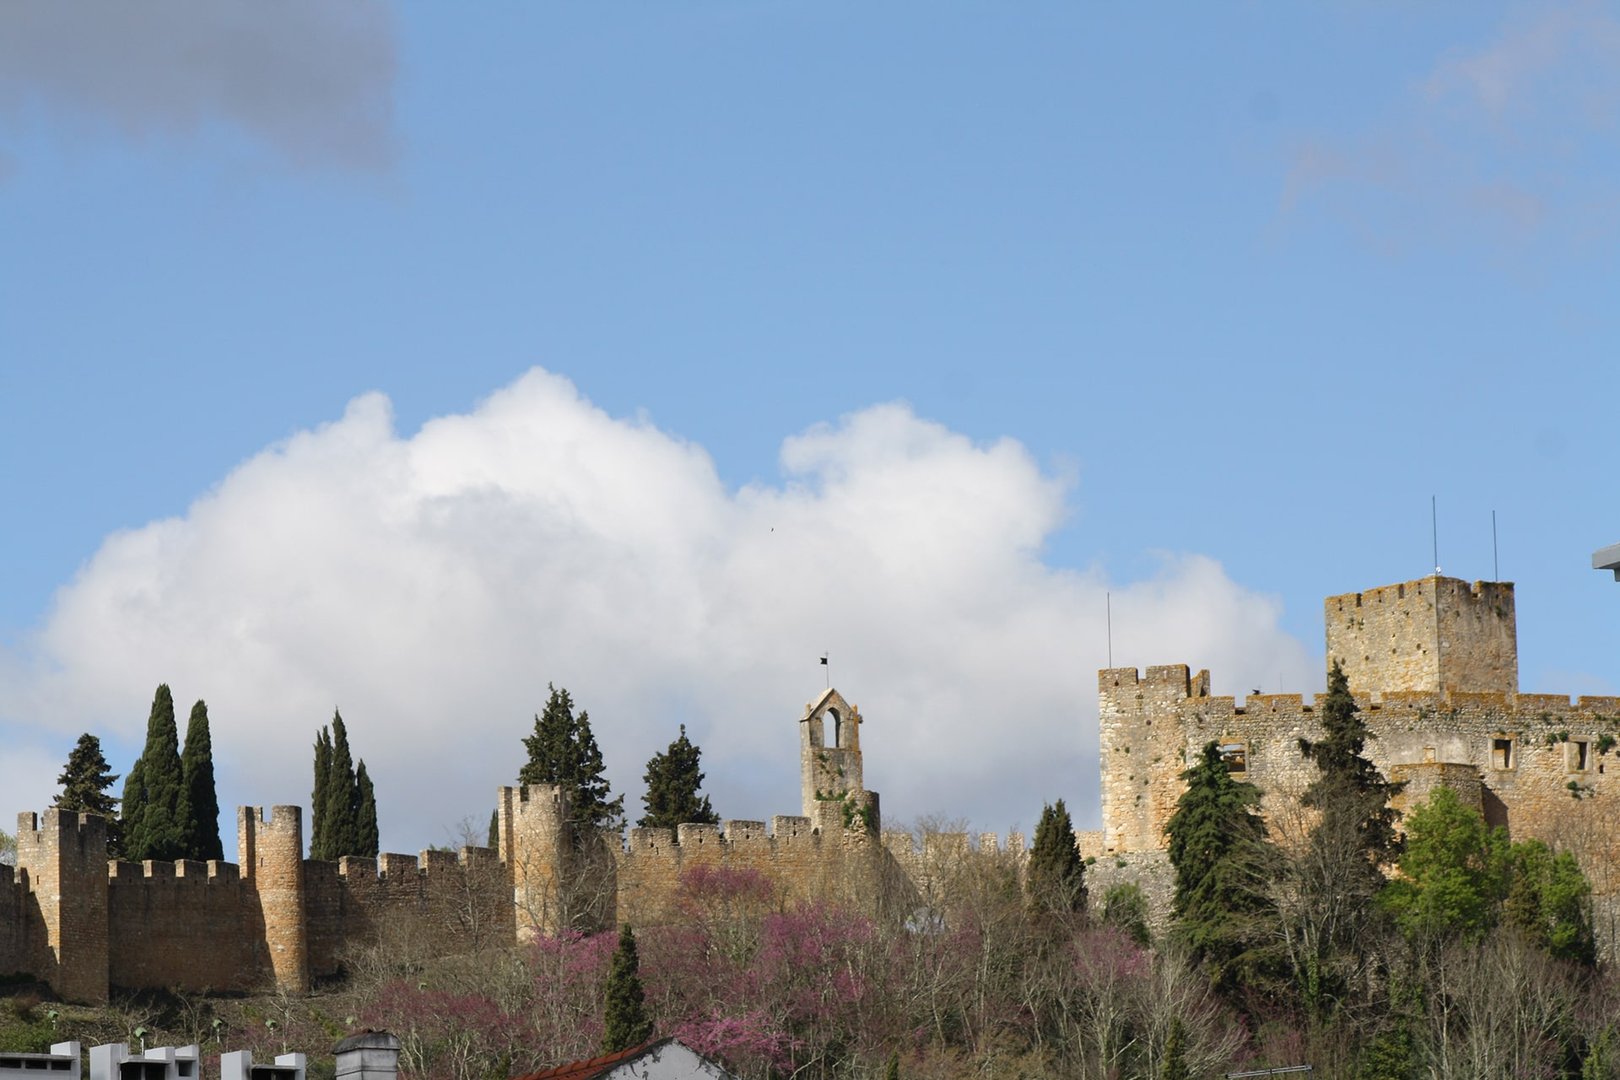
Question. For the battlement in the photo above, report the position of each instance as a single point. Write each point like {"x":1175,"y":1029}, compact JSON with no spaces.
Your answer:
{"x":1163,"y":680}
{"x":186,"y":872}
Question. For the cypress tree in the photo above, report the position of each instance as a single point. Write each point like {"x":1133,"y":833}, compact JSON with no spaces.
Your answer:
{"x":366,"y":837}
{"x":317,"y":795}
{"x":673,"y":778}
{"x":625,"y":1022}
{"x":342,"y":828}
{"x":1223,"y":863}
{"x":202,"y":802}
{"x":563,"y":751}
{"x":154,"y":790}
{"x":495,"y":830}
{"x":85,"y":780}
{"x":1056,"y":881}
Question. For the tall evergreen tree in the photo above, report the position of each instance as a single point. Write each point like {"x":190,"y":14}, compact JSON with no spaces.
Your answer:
{"x":625,"y":1022}
{"x":318,"y":816}
{"x":1341,"y":871}
{"x":1056,"y":879}
{"x":563,"y":751}
{"x":85,"y":780}
{"x":1223,"y":870}
{"x":673,"y":778}
{"x":367,"y":840}
{"x":337,"y":798}
{"x":154,"y":819}
{"x":343,"y":813}
{"x":495,"y":830}
{"x":202,"y":802}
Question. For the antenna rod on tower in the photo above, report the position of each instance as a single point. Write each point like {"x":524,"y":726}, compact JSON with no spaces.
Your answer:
{"x":1496,"y":563}
{"x":1108,"y":608}
{"x":1434,"y":533}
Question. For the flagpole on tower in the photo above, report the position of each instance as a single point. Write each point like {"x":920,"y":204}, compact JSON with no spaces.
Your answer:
{"x":829,"y":670}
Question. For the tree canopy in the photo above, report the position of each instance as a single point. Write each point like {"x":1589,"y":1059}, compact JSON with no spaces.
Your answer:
{"x":202,"y":802}
{"x":1224,"y":865}
{"x":344,"y":804}
{"x":1056,"y":880}
{"x":563,"y":751}
{"x":673,"y":779}
{"x":156,"y":816}
{"x":625,"y":1022}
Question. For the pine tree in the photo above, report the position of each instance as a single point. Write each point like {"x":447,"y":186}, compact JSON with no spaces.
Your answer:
{"x":1223,"y":868}
{"x":625,"y":1022}
{"x":1056,"y":881}
{"x":673,"y":778}
{"x":563,"y":751}
{"x":85,"y":780}
{"x":366,"y":836}
{"x":318,"y":816}
{"x":154,"y":791}
{"x":202,"y":803}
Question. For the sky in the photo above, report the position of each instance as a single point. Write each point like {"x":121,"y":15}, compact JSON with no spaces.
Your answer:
{"x":408,"y":360}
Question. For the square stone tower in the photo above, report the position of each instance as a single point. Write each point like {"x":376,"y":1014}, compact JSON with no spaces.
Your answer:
{"x":1431,"y":635}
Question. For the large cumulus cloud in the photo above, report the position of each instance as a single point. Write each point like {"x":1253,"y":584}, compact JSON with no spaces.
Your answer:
{"x":432,"y":585}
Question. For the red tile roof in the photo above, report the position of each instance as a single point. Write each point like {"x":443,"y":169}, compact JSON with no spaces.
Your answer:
{"x":596,"y":1066}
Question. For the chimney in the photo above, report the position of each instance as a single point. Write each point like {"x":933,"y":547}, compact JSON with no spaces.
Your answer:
{"x":370,"y":1055}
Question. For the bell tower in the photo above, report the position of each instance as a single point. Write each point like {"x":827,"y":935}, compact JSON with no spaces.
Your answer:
{"x":829,"y":751}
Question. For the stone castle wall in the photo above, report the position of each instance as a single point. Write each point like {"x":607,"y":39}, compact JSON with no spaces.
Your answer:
{"x":177,"y":924}
{"x":1433,"y":667}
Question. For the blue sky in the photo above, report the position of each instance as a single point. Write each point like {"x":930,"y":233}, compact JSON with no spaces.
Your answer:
{"x":980,"y":312}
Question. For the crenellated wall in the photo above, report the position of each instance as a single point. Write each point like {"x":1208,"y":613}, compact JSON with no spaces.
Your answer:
{"x":178,"y":924}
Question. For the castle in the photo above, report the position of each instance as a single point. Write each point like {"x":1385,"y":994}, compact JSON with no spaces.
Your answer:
{"x":276,"y":918}
{"x":1433,"y":664}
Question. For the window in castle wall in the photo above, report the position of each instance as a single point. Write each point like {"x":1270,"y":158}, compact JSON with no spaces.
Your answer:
{"x":1236,"y":756}
{"x":1501,"y":753}
{"x":1578,"y":755}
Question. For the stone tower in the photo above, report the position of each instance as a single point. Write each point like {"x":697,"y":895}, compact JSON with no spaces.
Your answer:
{"x":1144,"y":750}
{"x":272,"y":854}
{"x":64,"y":860}
{"x":829,"y":751}
{"x":1433,"y":634}
{"x":537,"y":850}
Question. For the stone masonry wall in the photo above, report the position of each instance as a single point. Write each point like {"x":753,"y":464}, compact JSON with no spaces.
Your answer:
{"x":431,"y":905}
{"x":13,"y":939}
{"x":178,"y":925}
{"x":1426,"y":635}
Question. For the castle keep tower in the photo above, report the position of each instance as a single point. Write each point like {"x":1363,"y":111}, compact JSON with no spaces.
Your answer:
{"x":829,"y":751}
{"x":1429,"y":635}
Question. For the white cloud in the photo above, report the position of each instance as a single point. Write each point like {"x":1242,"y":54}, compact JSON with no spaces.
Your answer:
{"x":1502,"y":144}
{"x":311,"y":80}
{"x":432,"y":585}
